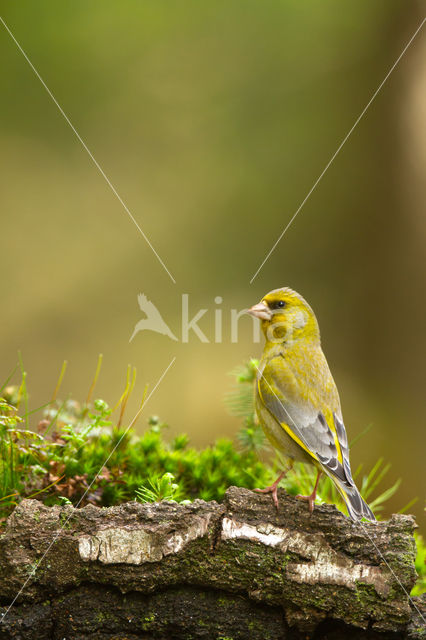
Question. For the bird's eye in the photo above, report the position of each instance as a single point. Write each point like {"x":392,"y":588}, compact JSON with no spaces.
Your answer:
{"x":280,"y":304}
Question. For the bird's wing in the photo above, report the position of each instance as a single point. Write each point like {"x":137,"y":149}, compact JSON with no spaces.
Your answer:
{"x":148,"y":307}
{"x":319,"y":431}
{"x":142,"y":300}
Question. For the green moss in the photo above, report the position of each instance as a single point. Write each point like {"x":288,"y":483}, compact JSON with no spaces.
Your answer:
{"x":65,"y":521}
{"x":365,"y":593}
{"x":420,"y":586}
{"x":78,"y":440}
{"x":147,"y":622}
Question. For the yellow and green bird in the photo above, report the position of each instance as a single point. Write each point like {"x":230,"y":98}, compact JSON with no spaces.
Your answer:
{"x":297,"y":401}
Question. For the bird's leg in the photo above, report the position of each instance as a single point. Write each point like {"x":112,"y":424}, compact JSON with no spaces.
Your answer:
{"x":274,"y":486}
{"x":311,"y":499}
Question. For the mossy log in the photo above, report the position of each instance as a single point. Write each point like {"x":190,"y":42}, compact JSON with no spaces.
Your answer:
{"x":236,"y":570}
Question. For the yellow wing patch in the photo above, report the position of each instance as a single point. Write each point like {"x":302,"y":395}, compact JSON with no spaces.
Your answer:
{"x":288,"y":430}
{"x":330,"y":421}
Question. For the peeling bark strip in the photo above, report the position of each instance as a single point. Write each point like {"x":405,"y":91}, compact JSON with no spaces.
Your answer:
{"x":136,"y":546}
{"x":326,"y":566}
{"x":235,"y":570}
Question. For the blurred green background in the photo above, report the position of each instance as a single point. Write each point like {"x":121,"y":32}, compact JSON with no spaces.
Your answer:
{"x":213,"y":120}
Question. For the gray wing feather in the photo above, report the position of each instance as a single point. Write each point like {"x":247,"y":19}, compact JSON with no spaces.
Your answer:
{"x":311,"y":427}
{"x":307,"y":424}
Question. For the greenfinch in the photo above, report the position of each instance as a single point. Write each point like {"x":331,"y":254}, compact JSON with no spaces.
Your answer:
{"x":297,"y":402}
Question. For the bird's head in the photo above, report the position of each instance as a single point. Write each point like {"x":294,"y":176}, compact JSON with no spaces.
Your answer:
{"x":285,"y":316}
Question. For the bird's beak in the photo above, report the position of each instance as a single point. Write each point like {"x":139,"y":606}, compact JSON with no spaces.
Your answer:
{"x":260,"y":310}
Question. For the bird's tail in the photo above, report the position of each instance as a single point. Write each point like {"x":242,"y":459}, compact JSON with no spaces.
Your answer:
{"x":356,"y":506}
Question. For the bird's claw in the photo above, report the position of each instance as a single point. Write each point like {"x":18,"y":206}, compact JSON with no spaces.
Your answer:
{"x":310,"y":500}
{"x":272,"y":489}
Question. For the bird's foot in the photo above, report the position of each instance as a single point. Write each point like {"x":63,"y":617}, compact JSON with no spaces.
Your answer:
{"x":274,"y":487}
{"x":309,"y":499}
{"x":273,"y":490}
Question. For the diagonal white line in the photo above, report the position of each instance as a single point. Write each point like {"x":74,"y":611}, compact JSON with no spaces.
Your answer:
{"x":38,"y":563}
{"x":283,"y":407}
{"x":86,"y":148}
{"x":392,"y":572}
{"x":359,"y":522}
{"x":335,"y":154}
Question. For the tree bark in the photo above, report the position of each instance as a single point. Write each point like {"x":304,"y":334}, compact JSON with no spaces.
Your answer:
{"x":236,"y":570}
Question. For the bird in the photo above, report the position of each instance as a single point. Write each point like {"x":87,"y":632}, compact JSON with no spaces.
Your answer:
{"x":153,"y":321}
{"x":296,"y":398}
